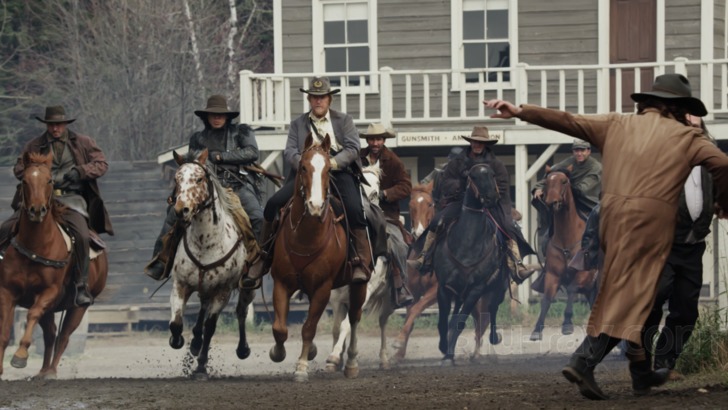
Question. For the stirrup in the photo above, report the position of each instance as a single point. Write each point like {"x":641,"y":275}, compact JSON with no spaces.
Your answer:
{"x":247,"y":283}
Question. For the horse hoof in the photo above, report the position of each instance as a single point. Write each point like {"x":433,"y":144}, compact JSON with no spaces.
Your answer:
{"x":177,"y":342}
{"x":300,"y":376}
{"x":351,"y":372}
{"x":331,"y":368}
{"x":496,"y":339}
{"x":19,"y":362}
{"x":397,"y":345}
{"x":45,"y":376}
{"x":447,"y":361}
{"x":243,"y":352}
{"x":385,"y":366}
{"x":312,"y":351}
{"x":195,"y":346}
{"x":567,"y":329}
{"x":277,"y":355}
{"x":201,"y":375}
{"x":536,"y":336}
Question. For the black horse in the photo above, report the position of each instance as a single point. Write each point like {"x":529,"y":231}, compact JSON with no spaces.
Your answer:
{"x":470,"y":262}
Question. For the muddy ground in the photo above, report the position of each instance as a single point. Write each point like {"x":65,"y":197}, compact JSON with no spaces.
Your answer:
{"x":143,"y":372}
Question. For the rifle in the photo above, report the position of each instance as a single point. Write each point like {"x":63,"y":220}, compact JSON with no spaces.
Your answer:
{"x":275,"y":179}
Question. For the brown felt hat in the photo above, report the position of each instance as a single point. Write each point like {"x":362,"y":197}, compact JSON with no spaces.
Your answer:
{"x":216,"y":104}
{"x":480,"y":134}
{"x":320,"y":86}
{"x":674,"y":87}
{"x":54,"y":115}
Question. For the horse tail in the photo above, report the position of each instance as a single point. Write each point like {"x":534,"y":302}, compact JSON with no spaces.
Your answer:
{"x":377,"y":288}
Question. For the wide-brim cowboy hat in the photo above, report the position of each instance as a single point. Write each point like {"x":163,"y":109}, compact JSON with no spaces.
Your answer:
{"x":55,"y":115}
{"x":480,"y":134}
{"x":377,"y":130}
{"x":320,"y":86}
{"x":217,"y":104}
{"x":675,"y":87}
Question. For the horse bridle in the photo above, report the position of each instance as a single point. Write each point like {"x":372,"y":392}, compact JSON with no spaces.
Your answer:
{"x":564,"y":186}
{"x":23,"y":203}
{"x":302,"y":193}
{"x":210,"y":201}
{"x":471,"y":185}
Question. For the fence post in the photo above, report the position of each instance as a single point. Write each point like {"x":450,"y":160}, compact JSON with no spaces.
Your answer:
{"x":385,"y":95}
{"x":246,"y":97}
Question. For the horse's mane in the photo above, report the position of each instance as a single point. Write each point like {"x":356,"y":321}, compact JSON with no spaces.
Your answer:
{"x":426,"y":188}
{"x":563,"y":170}
{"x":222,"y":193}
{"x":36,"y":158}
{"x":374,"y":169}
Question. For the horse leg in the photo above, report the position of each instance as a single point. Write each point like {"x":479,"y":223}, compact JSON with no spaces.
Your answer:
{"x":316,"y":307}
{"x":281,"y":302}
{"x":42,"y":304}
{"x":550,"y":287}
{"x":480,"y":319}
{"x":460,"y":316}
{"x":177,"y":300}
{"x":413,"y":312}
{"x":196,"y":342}
{"x":387,"y":311}
{"x":48,"y":326}
{"x":245,"y":298}
{"x":340,"y":329}
{"x":7,"y":316}
{"x":567,"y":327}
{"x":444,"y":306}
{"x":213,"y":309}
{"x":71,"y":321}
{"x":357,"y":297}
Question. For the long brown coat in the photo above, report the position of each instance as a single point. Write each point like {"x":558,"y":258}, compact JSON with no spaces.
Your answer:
{"x":395,"y":182}
{"x":646,"y":159}
{"x":91,"y":164}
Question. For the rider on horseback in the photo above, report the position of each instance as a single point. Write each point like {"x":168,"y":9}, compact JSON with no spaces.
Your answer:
{"x":395,"y":186}
{"x":77,"y":162}
{"x":585,"y":175}
{"x":230,"y":147}
{"x":450,"y":190}
{"x":320,"y":121}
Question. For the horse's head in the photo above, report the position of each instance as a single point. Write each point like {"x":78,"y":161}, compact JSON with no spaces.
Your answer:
{"x":558,"y":187}
{"x":481,"y":190}
{"x":421,"y":208}
{"x":37,"y":185}
{"x":373,"y":175}
{"x":313,"y":175}
{"x":194,"y":190}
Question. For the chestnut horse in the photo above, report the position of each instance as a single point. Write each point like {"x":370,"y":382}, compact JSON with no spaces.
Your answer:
{"x":36,"y":272}
{"x":568,"y":229}
{"x":469,"y":262}
{"x":421,"y":208}
{"x":209,"y":259}
{"x":311,"y":254}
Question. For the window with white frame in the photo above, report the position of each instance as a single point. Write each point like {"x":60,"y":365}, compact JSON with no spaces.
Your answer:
{"x":345,"y":40}
{"x":484,"y":37}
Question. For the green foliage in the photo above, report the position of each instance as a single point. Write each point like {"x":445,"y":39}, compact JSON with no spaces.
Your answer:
{"x":707,"y":348}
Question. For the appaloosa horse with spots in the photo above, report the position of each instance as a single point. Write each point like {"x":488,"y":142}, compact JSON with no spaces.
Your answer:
{"x":209,"y":260}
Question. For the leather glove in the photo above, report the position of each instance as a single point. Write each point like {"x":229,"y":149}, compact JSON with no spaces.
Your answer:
{"x":72,"y":177}
{"x":215,"y":157}
{"x":382,"y":197}
{"x":334,"y":165}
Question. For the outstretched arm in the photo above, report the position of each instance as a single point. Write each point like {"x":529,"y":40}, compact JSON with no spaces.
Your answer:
{"x":505,"y":109}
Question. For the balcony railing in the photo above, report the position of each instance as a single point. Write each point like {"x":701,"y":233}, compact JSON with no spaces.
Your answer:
{"x":444,"y":96}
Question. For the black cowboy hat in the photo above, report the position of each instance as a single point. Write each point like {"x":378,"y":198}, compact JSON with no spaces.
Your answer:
{"x":320,"y":86}
{"x":674,"y":87}
{"x":377,"y":130}
{"x":55,"y":115}
{"x":481,"y":134}
{"x":217,"y":104}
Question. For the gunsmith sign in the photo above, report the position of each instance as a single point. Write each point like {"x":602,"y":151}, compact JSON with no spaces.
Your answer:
{"x":431,"y":138}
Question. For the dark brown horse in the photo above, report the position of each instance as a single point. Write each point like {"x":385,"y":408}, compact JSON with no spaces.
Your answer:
{"x":311,"y":254}
{"x":568,"y":229}
{"x":424,"y":287}
{"x":36,"y":271}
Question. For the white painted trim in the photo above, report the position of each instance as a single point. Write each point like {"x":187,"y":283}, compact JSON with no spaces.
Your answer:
{"x":317,"y":43}
{"x":456,"y":46}
{"x":277,"y":37}
{"x":660,"y":43}
{"x":707,"y":41}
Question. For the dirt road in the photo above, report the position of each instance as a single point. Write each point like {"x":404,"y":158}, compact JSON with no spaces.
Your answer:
{"x":145,"y":373}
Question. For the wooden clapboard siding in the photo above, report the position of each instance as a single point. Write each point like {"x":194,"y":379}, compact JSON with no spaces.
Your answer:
{"x":682,"y":29}
{"x":297,"y":45}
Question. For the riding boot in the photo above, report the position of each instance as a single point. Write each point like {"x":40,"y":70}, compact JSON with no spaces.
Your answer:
{"x":519,"y":271}
{"x":643,"y":378}
{"x":83,"y":297}
{"x":362,"y":259}
{"x":587,"y":356}
{"x":402,"y":295}
{"x":155,"y":269}
{"x":251,"y":279}
{"x":419,"y":264}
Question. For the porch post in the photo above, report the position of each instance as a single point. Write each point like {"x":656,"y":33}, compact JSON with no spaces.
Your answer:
{"x":246,"y":97}
{"x":522,"y":204}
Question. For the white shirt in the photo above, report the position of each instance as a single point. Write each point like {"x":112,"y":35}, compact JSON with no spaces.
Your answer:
{"x":324,"y":126}
{"x":694,"y":193}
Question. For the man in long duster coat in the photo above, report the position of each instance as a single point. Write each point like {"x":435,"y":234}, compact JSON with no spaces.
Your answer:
{"x":646,"y":159}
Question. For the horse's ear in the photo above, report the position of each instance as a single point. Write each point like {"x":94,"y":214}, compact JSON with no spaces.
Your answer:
{"x":430,"y":185}
{"x":202,"y":158}
{"x":178,"y":158}
{"x":48,"y":159}
{"x":548,"y":168}
{"x":327,"y":143}
{"x":26,"y":159}
{"x":309,"y":142}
